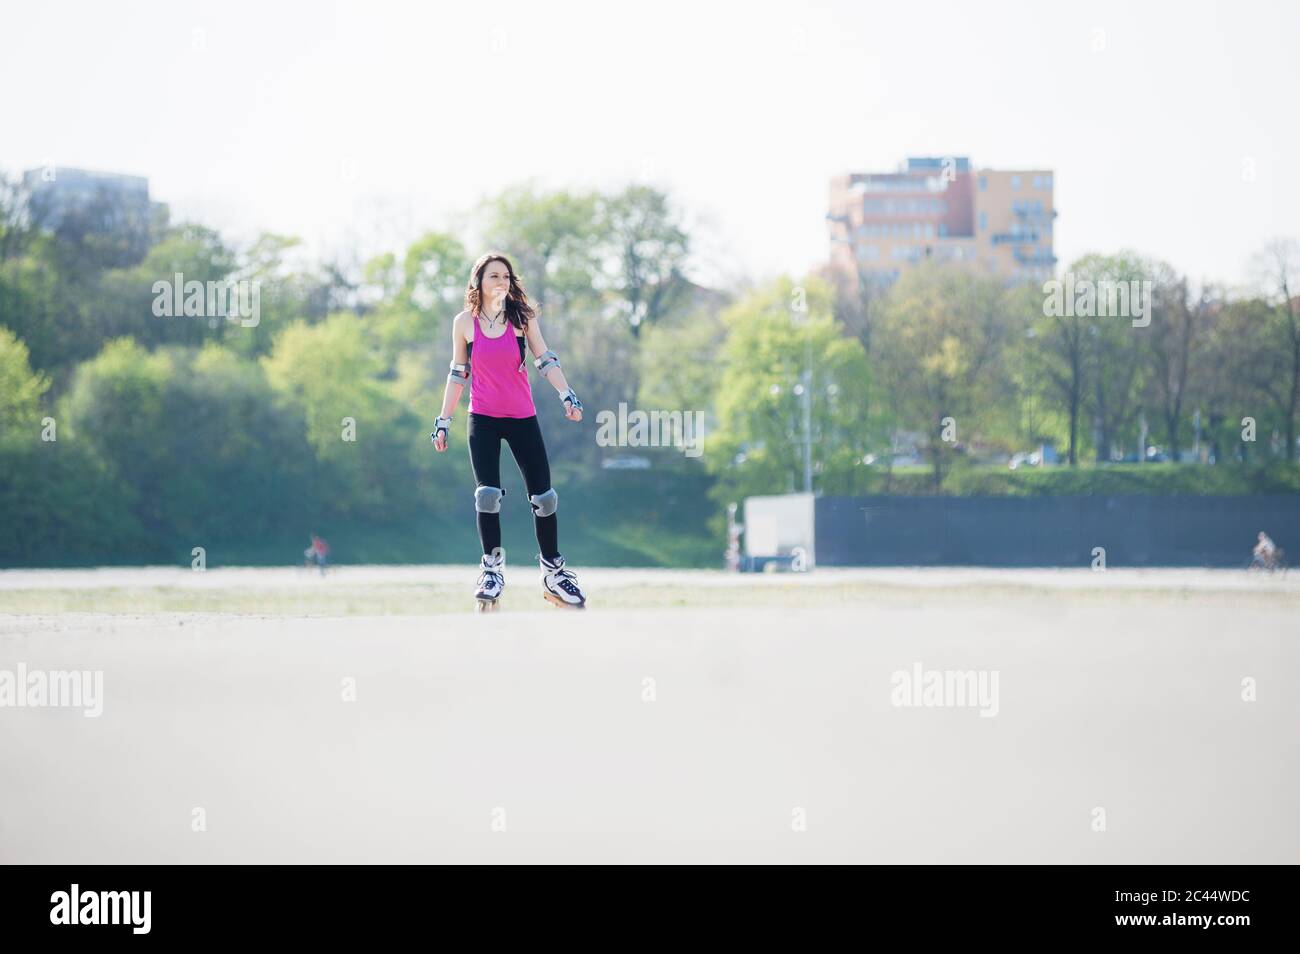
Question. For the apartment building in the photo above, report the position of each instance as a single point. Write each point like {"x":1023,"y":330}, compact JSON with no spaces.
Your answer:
{"x":78,"y":202}
{"x":942,"y":209}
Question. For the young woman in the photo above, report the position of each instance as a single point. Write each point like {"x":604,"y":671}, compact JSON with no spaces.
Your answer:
{"x":491,"y":334}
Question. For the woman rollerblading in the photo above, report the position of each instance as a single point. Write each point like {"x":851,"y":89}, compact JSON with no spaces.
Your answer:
{"x":492,"y":333}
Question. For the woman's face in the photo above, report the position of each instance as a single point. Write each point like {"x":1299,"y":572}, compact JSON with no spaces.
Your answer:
{"x":496,"y":282}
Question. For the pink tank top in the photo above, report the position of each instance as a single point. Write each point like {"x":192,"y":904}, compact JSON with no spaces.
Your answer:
{"x":498,"y":380}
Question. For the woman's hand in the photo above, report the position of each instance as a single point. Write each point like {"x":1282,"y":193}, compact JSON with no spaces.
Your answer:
{"x":572,"y":406}
{"x":441,"y":428}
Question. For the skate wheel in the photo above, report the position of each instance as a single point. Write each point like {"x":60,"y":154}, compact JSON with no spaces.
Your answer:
{"x":556,"y":601}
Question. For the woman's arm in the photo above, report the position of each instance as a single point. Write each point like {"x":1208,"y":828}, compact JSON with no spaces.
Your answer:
{"x":550,"y":367}
{"x":456,"y":379}
{"x":537,"y":344}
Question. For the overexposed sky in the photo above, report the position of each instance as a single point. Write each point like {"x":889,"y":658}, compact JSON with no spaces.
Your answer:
{"x":1171,"y":126}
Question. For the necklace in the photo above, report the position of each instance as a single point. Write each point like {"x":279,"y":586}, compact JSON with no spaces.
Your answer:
{"x":493,"y":319}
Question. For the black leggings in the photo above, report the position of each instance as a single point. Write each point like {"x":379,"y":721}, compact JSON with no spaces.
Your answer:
{"x":524,"y":436}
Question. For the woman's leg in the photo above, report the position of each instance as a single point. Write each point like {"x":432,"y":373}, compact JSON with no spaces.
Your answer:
{"x":484,"y":439}
{"x":524,"y":436}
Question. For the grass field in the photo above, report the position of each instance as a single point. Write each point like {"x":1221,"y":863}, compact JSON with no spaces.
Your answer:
{"x":273,"y":715}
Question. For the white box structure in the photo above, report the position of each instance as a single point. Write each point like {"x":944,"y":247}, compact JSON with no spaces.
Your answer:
{"x":781,"y":526}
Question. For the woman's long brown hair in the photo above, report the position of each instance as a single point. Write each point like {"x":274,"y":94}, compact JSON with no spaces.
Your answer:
{"x":518,"y":311}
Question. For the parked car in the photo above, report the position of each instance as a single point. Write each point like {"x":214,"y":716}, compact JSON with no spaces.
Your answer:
{"x":1046,"y":454}
{"x":1154,"y":455}
{"x":785,"y":563}
{"x":626,"y":462}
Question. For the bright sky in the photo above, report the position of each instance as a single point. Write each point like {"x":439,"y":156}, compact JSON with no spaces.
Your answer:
{"x":1171,"y":126}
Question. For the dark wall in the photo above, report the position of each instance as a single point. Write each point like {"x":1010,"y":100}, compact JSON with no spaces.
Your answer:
{"x":1050,"y":531}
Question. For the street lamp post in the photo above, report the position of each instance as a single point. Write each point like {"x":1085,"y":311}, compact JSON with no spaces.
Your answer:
{"x":805,"y":386}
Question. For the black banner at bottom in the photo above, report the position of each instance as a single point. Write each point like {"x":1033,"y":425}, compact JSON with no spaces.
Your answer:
{"x":1177,"y":904}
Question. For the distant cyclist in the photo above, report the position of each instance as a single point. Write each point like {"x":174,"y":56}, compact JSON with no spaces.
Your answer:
{"x":318,"y":553}
{"x":1267,"y":554}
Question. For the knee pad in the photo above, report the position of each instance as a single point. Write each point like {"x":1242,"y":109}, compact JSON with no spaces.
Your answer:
{"x":544,"y":504}
{"x":488,"y":499}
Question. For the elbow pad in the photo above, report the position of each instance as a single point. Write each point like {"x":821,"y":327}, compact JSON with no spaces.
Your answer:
{"x":546,"y":361}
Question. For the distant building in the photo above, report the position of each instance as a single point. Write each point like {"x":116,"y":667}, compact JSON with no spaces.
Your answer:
{"x":74,"y":203}
{"x":941,"y":209}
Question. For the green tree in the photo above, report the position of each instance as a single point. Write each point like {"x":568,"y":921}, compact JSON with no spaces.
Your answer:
{"x":1175,"y":342}
{"x":677,"y":361}
{"x":940,"y":341}
{"x":764,"y":373}
{"x":115,"y":408}
{"x":21,"y":390}
{"x":645,"y":247}
{"x":126,"y":296}
{"x":1117,"y":352}
{"x":362,"y":436}
{"x":48,"y":309}
{"x":551,"y":239}
{"x":419,"y":297}
{"x":198,"y":439}
{"x":239,"y":466}
{"x":1277,"y":270}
